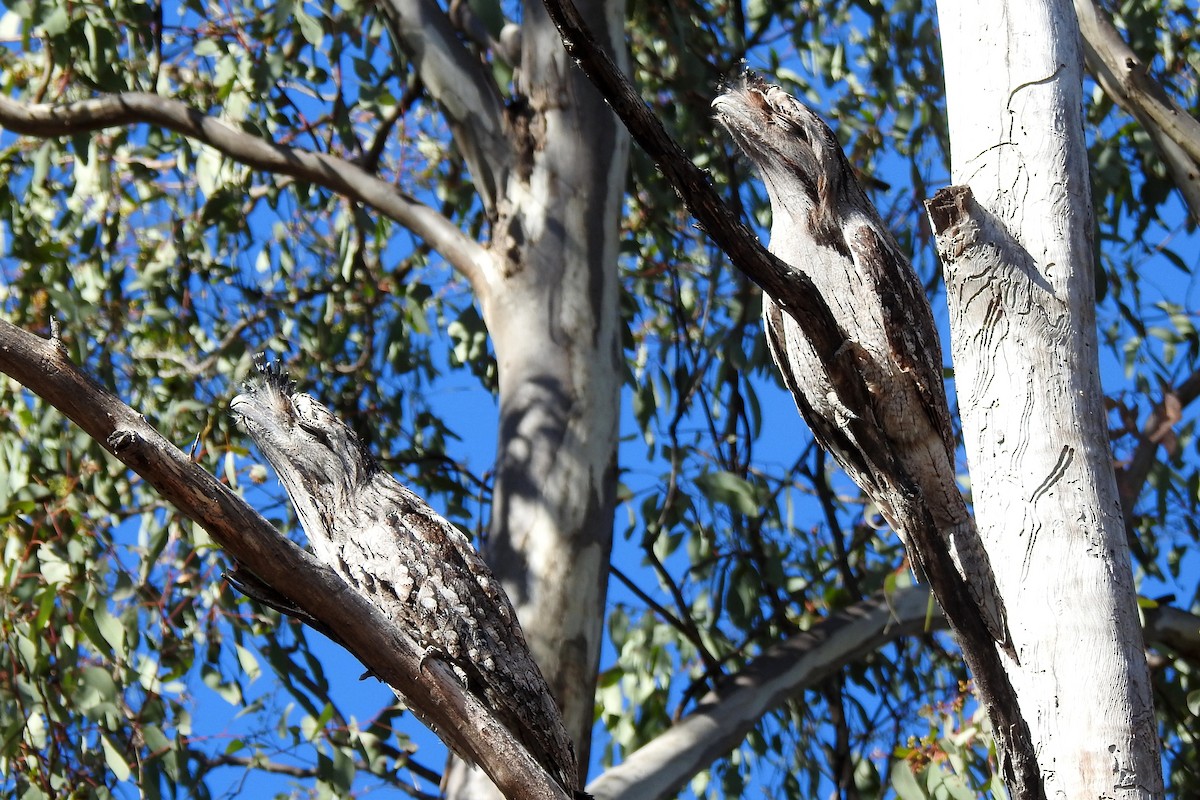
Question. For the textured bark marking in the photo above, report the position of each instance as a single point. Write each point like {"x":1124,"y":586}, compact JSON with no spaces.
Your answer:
{"x":1024,"y":440}
{"x":989,"y":327}
{"x":1065,"y":457}
{"x":1029,"y":523}
{"x":409,"y":561}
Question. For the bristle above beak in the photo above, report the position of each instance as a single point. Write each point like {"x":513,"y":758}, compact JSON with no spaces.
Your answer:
{"x":752,"y":79}
{"x":746,"y":78}
{"x":273,"y":374}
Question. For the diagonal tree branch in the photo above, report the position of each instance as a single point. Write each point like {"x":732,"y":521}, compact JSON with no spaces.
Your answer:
{"x":1128,"y":82}
{"x":1134,"y":77}
{"x":49,"y":120}
{"x":460,"y":84}
{"x":387,"y":650}
{"x":1176,"y":629}
{"x":722,"y":718}
{"x":795,"y":294}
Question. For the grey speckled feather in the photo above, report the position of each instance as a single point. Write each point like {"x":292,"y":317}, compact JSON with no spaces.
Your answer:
{"x":413,"y":564}
{"x":824,"y":226}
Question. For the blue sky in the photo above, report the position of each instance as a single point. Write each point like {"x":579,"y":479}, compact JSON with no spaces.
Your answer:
{"x":472,"y":412}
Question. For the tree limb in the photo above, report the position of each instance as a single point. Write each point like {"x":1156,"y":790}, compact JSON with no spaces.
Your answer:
{"x":1132,"y":478}
{"x":724,"y":716}
{"x":311,"y":773}
{"x":1128,"y":82}
{"x":459,"y":83}
{"x":1174,"y":628}
{"x":51,"y":120}
{"x":1134,"y":78}
{"x":387,"y":650}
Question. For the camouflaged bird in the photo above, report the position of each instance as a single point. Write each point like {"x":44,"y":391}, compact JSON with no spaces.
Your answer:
{"x":824,"y":226}
{"x":409,"y":561}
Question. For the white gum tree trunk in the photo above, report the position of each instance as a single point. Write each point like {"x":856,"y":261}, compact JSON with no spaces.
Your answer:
{"x":550,"y":301}
{"x":1016,"y":247}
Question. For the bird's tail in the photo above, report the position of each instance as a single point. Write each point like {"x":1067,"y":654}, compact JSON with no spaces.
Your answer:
{"x":971,"y":559}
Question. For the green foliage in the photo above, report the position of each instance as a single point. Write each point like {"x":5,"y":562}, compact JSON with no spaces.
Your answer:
{"x":951,"y":762}
{"x":169,"y":266}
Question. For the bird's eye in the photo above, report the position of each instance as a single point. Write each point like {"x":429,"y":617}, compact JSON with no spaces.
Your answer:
{"x":786,"y":122}
{"x":320,"y":432}
{"x":308,"y":413}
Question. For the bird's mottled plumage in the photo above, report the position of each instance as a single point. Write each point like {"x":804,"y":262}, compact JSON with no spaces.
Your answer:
{"x":824,"y":225}
{"x":413,"y":564}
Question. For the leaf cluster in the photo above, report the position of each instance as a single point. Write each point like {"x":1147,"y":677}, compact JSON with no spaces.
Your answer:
{"x":170,"y":266}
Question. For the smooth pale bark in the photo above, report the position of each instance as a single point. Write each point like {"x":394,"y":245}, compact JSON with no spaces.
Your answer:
{"x":1019,"y":275}
{"x":551,"y":307}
